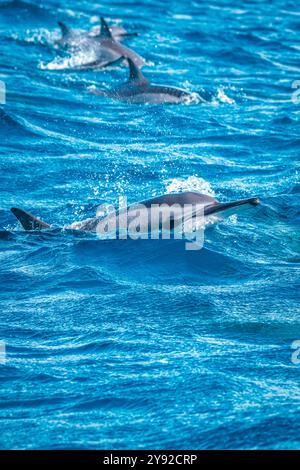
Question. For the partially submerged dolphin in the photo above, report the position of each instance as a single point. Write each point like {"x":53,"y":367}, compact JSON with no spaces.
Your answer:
{"x":70,"y":38}
{"x":170,"y":219}
{"x":99,"y":50}
{"x":139,"y":90}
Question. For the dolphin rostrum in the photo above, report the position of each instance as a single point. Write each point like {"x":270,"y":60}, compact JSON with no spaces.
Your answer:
{"x":99,"y":50}
{"x":139,"y":90}
{"x":196,"y":202}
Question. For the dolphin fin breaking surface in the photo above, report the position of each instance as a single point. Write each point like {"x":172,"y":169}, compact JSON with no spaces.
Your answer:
{"x":65,"y":30}
{"x":135,"y":73}
{"x":29,"y":221}
{"x":105,"y":31}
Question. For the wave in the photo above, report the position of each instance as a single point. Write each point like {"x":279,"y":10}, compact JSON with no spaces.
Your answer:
{"x":10,"y":123}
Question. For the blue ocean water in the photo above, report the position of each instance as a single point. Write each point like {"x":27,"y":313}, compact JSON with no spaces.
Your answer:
{"x":142,"y":344}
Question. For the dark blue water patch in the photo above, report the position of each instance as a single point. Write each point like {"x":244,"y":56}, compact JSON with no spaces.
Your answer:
{"x":6,"y":235}
{"x":22,"y":13}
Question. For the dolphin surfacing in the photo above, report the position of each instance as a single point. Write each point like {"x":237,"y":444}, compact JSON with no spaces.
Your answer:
{"x":200,"y":202}
{"x":139,"y":90}
{"x":70,"y":38}
{"x":101,"y":50}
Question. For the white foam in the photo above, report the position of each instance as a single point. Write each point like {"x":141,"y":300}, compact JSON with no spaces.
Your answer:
{"x":193,"y":98}
{"x":223,"y":98}
{"x":75,"y":61}
{"x":192,"y":183}
{"x":182,"y":17}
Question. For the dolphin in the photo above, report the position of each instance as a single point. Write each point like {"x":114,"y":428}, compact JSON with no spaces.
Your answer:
{"x":71,"y":37}
{"x":198,"y":204}
{"x":99,"y":50}
{"x":139,"y":90}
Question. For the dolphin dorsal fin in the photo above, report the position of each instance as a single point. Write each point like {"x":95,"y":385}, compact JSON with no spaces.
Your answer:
{"x":135,"y":73}
{"x":28,"y":221}
{"x":105,"y":31}
{"x":65,"y":30}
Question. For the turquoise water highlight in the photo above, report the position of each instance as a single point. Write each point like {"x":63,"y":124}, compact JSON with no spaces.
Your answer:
{"x":142,"y":344}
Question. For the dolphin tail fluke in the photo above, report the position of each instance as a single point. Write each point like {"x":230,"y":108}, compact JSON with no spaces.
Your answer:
{"x":29,"y":221}
{"x":222,"y":206}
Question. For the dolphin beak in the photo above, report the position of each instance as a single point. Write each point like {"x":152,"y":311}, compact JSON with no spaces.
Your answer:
{"x":219,"y":207}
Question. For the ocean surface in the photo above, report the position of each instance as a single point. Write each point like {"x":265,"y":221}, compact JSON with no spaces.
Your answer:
{"x":143,"y":344}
